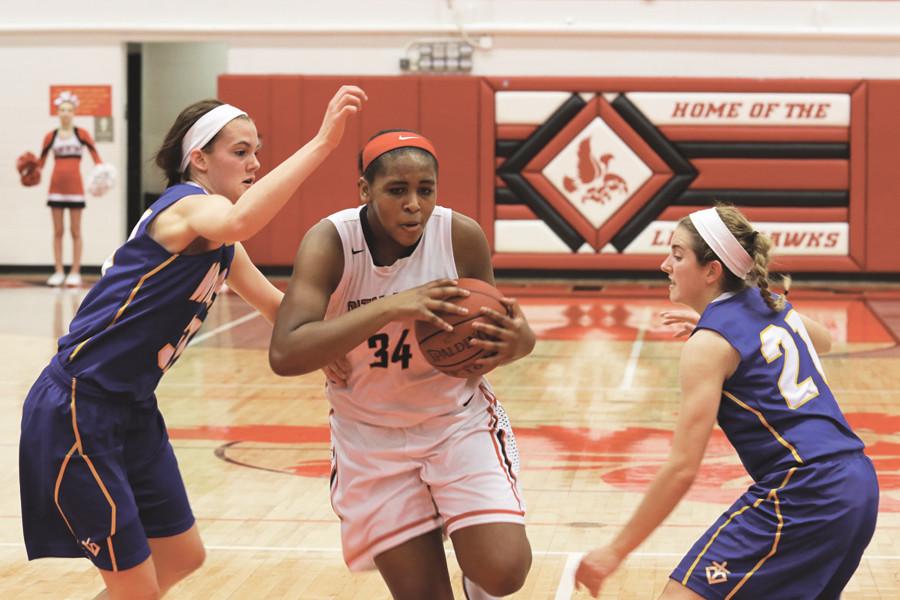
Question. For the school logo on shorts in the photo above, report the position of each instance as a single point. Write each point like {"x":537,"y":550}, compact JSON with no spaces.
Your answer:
{"x":91,"y":546}
{"x":717,"y":573}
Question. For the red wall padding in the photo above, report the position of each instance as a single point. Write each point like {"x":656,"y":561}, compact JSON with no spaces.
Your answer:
{"x":883,"y":177}
{"x":457,"y":113}
{"x":288,"y":111}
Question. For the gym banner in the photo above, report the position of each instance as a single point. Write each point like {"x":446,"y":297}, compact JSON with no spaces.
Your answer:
{"x":603,"y":172}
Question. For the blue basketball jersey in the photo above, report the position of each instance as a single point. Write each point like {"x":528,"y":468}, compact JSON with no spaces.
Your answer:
{"x":139,"y":317}
{"x":777,"y":409}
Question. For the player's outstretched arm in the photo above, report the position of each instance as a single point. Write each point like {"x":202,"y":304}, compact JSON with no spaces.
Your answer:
{"x":706,"y":361}
{"x":266,"y":197}
{"x":302,"y":341}
{"x":818,"y":333}
{"x":251,"y":285}
{"x":683,"y":321}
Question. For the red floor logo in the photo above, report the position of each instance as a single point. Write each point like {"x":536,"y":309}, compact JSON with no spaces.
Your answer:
{"x":626,"y":459}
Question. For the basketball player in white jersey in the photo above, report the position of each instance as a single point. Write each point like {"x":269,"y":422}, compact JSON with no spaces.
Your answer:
{"x":416,"y":453}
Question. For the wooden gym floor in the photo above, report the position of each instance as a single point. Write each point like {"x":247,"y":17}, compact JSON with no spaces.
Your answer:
{"x":592,"y":407}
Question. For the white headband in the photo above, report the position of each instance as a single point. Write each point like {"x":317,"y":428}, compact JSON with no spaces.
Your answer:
{"x":721,"y":241}
{"x":205,"y":129}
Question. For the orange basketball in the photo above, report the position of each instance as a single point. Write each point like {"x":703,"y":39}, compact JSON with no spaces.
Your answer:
{"x":451,"y":352}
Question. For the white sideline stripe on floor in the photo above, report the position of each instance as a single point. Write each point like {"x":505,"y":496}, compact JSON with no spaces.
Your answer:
{"x":566,"y":586}
{"x":225,"y":327}
{"x":631,"y":365}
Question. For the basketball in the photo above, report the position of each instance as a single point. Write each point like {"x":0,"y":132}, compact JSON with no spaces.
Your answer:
{"x":451,"y":352}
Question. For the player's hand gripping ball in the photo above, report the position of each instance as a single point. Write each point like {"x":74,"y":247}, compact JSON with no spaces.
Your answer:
{"x":451,"y":352}
{"x":29,"y":169}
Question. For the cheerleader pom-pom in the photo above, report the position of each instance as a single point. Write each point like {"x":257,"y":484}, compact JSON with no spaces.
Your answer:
{"x":29,"y":169}
{"x":102,"y":179}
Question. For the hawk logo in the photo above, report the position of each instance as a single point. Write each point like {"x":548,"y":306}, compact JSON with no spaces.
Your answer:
{"x":91,"y":546}
{"x":717,"y":573}
{"x":604,"y":184}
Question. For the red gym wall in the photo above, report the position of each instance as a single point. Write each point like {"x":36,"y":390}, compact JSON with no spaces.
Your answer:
{"x":592,"y":174}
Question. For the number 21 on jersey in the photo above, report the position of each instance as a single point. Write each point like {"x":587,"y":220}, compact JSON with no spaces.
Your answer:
{"x":777,"y":342}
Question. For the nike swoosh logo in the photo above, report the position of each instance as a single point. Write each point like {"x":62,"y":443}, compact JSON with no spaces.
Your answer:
{"x":352,"y":251}
{"x":407,"y":137}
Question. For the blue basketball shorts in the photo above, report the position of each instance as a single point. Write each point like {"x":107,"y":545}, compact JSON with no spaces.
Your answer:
{"x":97,"y":476}
{"x":796,"y":534}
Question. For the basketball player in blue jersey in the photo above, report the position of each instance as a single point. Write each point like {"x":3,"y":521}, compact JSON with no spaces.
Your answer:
{"x":752,"y":362}
{"x":98,"y":476}
{"x":416,"y":453}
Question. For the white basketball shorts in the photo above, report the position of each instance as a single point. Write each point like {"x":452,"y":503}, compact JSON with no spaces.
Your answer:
{"x":389,"y":485}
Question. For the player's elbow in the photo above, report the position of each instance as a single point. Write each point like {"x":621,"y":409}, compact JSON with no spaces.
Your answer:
{"x":283,"y":364}
{"x":239,"y":228}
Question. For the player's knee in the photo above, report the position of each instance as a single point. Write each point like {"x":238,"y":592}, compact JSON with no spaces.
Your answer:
{"x":194,"y":560}
{"x":503,"y":574}
{"x":188,"y":562}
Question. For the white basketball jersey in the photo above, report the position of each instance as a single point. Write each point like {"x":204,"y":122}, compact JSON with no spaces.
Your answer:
{"x":391,"y":384}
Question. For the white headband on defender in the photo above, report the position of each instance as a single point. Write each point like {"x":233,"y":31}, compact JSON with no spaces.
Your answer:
{"x":716,"y":234}
{"x":205,"y":129}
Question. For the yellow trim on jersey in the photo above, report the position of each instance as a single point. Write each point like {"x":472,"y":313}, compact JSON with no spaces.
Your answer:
{"x":711,"y":540}
{"x":762,"y":419}
{"x":59,"y":476}
{"x":75,"y":420}
{"x":139,"y":284}
{"x":772,"y":494}
{"x":97,"y":478}
{"x":131,"y":296}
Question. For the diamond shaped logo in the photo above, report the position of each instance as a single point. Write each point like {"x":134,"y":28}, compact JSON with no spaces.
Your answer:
{"x":597,"y":172}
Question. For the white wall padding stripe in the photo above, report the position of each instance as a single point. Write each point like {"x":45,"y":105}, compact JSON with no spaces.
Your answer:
{"x":526,"y":108}
{"x":527,"y":236}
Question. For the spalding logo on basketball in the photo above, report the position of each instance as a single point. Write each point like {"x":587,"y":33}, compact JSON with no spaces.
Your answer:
{"x":452,"y":352}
